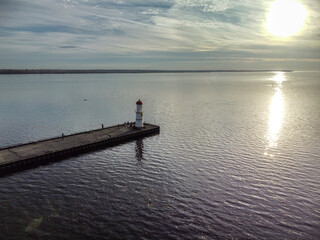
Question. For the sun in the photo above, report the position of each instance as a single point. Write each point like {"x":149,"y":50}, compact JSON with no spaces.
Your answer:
{"x":285,"y":18}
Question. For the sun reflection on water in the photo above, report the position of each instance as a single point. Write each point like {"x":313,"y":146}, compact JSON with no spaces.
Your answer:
{"x":276,"y":113}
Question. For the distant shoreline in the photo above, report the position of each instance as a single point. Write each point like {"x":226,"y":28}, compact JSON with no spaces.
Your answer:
{"x":74,"y":71}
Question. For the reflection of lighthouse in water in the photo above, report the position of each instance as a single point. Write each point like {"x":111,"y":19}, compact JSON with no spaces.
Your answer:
{"x":139,"y":115}
{"x":139,"y":149}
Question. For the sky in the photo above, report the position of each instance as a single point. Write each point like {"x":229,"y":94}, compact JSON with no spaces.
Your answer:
{"x":153,"y":34}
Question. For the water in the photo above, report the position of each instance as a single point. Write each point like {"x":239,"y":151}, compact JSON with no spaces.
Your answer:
{"x":238,"y":157}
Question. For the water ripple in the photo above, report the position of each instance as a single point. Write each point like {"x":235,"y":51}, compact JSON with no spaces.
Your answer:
{"x":208,"y":175}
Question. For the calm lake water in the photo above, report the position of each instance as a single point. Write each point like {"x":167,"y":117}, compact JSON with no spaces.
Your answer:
{"x":238,"y":157}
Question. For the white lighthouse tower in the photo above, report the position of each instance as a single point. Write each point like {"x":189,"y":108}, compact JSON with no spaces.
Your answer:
{"x":139,"y":115}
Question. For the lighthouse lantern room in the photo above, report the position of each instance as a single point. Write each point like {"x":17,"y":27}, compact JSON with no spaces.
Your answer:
{"x":139,"y":115}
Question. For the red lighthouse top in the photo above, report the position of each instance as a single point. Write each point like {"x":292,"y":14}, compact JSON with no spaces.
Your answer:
{"x":139,"y":102}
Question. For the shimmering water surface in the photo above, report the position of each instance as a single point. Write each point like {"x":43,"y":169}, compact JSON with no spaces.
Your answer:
{"x":238,"y":157}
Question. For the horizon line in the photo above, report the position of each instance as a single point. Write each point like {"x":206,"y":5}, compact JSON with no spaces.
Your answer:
{"x":88,"y":71}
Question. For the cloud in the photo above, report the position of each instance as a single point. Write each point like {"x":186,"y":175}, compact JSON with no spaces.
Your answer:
{"x":68,"y":47}
{"x":204,"y":5}
{"x":151,"y":11}
{"x":69,"y":29}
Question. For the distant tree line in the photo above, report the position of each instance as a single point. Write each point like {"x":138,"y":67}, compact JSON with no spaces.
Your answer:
{"x":76,"y":71}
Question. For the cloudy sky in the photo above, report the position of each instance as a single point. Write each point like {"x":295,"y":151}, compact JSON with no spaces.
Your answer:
{"x":153,"y":34}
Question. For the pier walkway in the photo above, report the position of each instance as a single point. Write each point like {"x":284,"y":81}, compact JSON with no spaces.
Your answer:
{"x":59,"y":147}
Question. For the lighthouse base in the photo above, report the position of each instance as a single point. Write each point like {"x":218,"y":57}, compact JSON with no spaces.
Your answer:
{"x":138,"y":124}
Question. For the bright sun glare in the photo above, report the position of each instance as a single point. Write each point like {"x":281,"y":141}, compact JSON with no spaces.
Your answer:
{"x":285,"y":17}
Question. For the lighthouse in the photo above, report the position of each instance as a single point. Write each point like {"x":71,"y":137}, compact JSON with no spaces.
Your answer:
{"x":139,"y":115}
